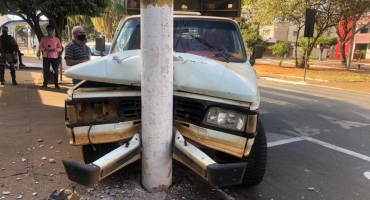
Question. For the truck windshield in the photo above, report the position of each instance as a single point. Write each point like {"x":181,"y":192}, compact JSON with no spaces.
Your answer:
{"x":219,"y":40}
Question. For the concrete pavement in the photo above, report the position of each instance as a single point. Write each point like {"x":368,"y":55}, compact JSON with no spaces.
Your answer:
{"x":26,"y":115}
{"x":34,"y":142}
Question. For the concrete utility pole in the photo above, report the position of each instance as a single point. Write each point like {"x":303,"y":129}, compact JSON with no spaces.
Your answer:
{"x":157,"y":92}
{"x":350,"y":52}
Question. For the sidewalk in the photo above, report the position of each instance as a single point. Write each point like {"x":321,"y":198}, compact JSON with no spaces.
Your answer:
{"x":29,"y":59}
{"x":34,"y":142}
{"x":27,"y":115}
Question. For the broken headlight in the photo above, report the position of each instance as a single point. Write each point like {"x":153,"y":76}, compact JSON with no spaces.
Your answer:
{"x":225,"y":119}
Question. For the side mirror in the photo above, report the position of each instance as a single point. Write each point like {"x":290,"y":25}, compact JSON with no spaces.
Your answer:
{"x":100,"y":44}
{"x":257,"y":53}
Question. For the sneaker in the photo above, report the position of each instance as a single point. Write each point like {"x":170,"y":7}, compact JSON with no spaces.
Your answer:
{"x":43,"y":86}
{"x":2,"y":83}
{"x":57,"y":87}
{"x":22,"y":54}
{"x":14,"y":83}
{"x":22,"y":65}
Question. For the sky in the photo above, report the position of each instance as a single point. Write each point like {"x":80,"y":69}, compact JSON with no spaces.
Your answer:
{"x":18,"y":18}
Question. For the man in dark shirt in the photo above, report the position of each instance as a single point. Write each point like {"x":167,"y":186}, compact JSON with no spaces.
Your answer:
{"x":76,"y":51}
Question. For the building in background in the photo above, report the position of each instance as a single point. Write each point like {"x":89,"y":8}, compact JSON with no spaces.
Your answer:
{"x":361,"y":40}
{"x":285,"y":32}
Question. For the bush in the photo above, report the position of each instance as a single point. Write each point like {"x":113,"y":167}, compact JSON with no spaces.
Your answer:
{"x":280,"y":50}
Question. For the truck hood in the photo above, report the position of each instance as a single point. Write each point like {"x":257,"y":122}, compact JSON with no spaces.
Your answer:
{"x":192,"y":73}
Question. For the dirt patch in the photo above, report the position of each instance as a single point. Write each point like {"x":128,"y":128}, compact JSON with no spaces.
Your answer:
{"x":330,"y":75}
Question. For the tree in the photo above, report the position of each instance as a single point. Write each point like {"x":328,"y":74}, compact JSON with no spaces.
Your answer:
{"x":328,"y":15}
{"x":351,"y":12}
{"x":325,"y":42}
{"x":280,"y":50}
{"x":108,"y":22}
{"x":265,"y":12}
{"x":251,"y":37}
{"x":79,"y":20}
{"x":55,"y":11}
{"x":360,"y":54}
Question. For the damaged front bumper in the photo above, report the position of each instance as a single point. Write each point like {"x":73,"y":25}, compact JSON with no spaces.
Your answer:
{"x":184,"y":152}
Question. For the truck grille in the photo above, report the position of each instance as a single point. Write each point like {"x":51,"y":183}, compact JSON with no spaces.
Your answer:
{"x":183,"y":109}
{"x":188,"y":111}
{"x":131,"y":109}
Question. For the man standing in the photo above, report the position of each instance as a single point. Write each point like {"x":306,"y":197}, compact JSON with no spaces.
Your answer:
{"x":76,"y":51}
{"x":50,"y":46}
{"x":9,"y":53}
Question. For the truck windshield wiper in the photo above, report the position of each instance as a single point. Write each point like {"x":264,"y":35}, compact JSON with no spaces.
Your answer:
{"x":207,"y":43}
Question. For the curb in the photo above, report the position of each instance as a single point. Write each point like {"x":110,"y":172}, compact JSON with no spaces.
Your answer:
{"x":304,"y":83}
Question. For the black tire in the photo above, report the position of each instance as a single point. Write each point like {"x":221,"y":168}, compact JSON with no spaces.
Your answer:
{"x":257,"y":159}
{"x":90,"y":155}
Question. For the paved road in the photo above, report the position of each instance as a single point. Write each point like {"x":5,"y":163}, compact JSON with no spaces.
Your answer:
{"x":319,"y":144}
{"x":318,"y":137}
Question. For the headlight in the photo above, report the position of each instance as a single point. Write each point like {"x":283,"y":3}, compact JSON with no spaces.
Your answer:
{"x":225,"y":119}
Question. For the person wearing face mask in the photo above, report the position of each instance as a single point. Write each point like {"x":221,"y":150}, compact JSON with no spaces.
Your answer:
{"x":50,"y":46}
{"x":9,"y":53}
{"x":76,"y":51}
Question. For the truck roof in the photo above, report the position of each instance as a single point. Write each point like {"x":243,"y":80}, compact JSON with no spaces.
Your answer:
{"x":192,"y":16}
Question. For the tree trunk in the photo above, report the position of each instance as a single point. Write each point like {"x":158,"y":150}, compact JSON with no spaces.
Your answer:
{"x":296,"y":50}
{"x":343,"y":57}
{"x":296,"y":46}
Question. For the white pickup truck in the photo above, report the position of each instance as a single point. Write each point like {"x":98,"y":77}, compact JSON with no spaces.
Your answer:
{"x":217,"y":131}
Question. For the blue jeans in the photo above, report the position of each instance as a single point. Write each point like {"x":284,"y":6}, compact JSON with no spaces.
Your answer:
{"x":46,"y":62}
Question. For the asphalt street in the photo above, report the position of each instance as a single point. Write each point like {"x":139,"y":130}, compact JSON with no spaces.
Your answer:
{"x":318,"y":146}
{"x":318,"y":143}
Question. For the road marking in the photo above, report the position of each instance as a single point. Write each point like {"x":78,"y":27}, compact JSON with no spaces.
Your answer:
{"x":336,"y":148}
{"x":366,"y":116}
{"x":367,"y":175}
{"x":324,"y":144}
{"x":281,"y":103}
{"x":302,"y":130}
{"x":343,"y":123}
{"x":282,"y":81}
{"x":281,"y":142}
{"x":290,"y":96}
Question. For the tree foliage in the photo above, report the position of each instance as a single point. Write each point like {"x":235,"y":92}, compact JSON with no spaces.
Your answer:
{"x":108,"y":22}
{"x":351,"y":11}
{"x":280,"y":50}
{"x":251,"y":37}
{"x":360,"y":54}
{"x":55,"y":11}
{"x":328,"y":15}
{"x":326,"y":42}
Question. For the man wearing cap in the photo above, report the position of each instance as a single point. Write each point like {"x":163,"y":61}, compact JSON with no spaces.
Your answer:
{"x":50,"y":46}
{"x":9,"y":53}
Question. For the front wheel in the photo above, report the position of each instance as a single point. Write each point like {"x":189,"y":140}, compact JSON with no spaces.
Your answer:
{"x":257,"y":159}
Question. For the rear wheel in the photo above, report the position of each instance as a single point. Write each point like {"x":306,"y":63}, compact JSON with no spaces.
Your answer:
{"x":90,"y":155}
{"x":257,"y":159}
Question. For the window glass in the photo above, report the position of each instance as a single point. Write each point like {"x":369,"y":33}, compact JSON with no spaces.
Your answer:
{"x":207,"y":38}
